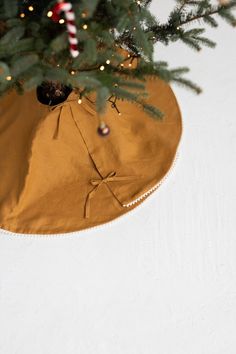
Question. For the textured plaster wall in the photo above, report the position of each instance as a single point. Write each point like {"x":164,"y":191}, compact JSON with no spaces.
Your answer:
{"x":161,"y":280}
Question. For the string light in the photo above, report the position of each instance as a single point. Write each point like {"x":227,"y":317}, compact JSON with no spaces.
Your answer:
{"x":80,"y":95}
{"x":113,"y":103}
{"x":8,"y":78}
{"x":72,"y":72}
{"x":61,"y":21}
{"x":83,"y":15}
{"x":85,"y":26}
{"x":102,"y":67}
{"x":22,"y":15}
{"x":108,"y":61}
{"x":31,"y":8}
{"x":49,"y":14}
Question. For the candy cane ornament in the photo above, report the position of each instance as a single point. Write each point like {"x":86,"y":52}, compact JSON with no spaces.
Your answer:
{"x":66,"y":7}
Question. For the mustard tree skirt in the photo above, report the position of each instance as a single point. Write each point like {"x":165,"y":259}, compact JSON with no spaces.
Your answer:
{"x":58,"y":175}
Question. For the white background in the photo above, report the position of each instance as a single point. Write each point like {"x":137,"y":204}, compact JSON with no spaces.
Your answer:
{"x":161,"y":280}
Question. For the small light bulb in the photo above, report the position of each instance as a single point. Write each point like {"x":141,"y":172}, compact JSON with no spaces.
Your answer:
{"x":79,"y":101}
{"x":134,"y":28}
{"x":108,"y":61}
{"x":128,"y":55}
{"x":72,"y":72}
{"x":102,"y":67}
{"x":31,"y":8}
{"x":8,"y":78}
{"x":122,"y":65}
{"x":61,"y":21}
{"x":85,"y":26}
{"x":119,"y":113}
{"x":22,"y":15}
{"x":83,"y":15}
{"x":130,"y":64}
{"x":49,"y":14}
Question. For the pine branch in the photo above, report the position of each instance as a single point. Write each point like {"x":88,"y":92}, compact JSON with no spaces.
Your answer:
{"x":198,"y":17}
{"x":186,"y":13}
{"x":34,"y":49}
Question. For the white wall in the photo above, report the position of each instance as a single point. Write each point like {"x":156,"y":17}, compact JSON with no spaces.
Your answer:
{"x":161,"y":280}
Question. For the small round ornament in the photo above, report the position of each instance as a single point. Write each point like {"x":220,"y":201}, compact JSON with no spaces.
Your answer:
{"x":52,"y":93}
{"x":103,"y":129}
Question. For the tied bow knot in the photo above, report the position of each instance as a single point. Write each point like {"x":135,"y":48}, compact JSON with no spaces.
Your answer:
{"x":111,"y":177}
{"x":60,"y":106}
{"x":108,"y":178}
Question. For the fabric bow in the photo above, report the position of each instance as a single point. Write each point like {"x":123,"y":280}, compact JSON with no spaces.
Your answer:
{"x":111,"y":177}
{"x":60,"y":106}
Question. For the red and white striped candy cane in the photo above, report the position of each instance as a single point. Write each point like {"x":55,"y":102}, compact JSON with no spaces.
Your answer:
{"x":66,"y":7}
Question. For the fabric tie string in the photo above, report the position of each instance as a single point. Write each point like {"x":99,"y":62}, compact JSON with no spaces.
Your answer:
{"x":59,"y":106}
{"x":111,"y":177}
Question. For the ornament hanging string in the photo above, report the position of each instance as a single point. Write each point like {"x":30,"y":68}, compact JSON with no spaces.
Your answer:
{"x":66,"y":7}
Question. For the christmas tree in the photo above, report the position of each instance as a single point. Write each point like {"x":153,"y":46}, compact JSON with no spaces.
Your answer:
{"x":78,"y":44}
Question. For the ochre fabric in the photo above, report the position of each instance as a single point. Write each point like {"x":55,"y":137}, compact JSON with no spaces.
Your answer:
{"x":58,"y":175}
